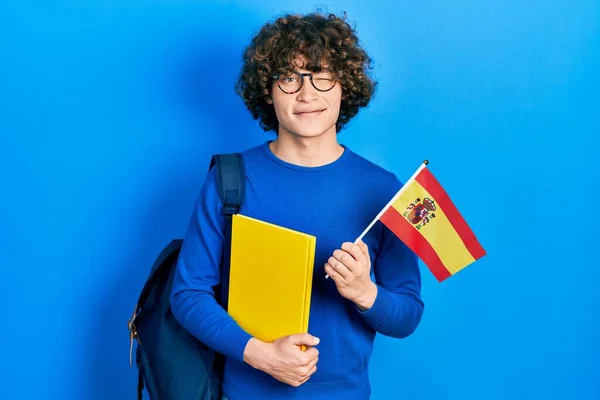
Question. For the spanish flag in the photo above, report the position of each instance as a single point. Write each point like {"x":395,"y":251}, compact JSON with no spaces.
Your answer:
{"x":422,"y":215}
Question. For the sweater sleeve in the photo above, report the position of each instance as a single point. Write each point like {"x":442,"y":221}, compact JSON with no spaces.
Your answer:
{"x":197,"y":274}
{"x":398,"y":307}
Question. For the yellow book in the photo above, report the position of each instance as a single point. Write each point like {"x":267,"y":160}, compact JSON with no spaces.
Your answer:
{"x":270,"y":280}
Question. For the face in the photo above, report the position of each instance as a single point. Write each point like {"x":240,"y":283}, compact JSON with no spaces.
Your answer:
{"x":308,"y":112}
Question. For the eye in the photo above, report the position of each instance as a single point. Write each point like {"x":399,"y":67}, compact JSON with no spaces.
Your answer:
{"x":324,"y":76}
{"x":288,"y":79}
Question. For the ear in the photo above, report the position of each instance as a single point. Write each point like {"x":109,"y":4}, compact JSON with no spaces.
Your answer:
{"x":267,"y":96}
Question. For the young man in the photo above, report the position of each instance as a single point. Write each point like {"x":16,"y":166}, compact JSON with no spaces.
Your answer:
{"x":305,"y":77}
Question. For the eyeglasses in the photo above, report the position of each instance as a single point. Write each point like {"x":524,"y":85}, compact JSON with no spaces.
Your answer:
{"x":292,"y":81}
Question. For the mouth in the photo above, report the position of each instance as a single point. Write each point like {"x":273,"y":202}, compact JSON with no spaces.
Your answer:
{"x":313,"y":113}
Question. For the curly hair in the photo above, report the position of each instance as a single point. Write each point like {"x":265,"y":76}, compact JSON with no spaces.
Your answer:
{"x":322,"y":40}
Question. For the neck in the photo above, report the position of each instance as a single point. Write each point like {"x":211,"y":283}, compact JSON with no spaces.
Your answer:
{"x":307,"y":152}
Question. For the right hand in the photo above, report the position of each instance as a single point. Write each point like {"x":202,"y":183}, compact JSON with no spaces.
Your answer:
{"x":283,"y":359}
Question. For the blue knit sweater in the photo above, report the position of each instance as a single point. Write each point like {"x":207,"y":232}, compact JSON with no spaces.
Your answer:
{"x":334,"y":202}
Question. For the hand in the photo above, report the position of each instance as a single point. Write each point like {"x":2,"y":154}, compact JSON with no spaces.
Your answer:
{"x":350,"y":269}
{"x":283,"y":359}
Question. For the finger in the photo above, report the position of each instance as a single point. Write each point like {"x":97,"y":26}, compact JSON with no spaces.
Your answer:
{"x":304,"y":338}
{"x":301,"y":382}
{"x":344,"y":258}
{"x":365,"y":249}
{"x":310,"y":373}
{"x":355,"y":251}
{"x":333,"y":274}
{"x":309,"y":356}
{"x":309,"y":367}
{"x":334,"y":267}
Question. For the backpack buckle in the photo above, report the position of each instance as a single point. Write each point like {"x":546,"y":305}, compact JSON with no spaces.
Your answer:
{"x":133,"y":334}
{"x":230,"y":209}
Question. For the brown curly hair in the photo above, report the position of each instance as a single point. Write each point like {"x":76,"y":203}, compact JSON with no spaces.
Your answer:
{"x":321,"y":40}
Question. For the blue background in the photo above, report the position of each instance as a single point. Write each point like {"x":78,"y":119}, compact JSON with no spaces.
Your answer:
{"x":111,"y":109}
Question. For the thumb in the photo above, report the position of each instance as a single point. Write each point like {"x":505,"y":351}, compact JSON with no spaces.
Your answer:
{"x":305,"y":338}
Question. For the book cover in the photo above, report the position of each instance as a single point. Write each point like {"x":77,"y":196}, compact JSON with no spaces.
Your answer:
{"x":270,"y":278}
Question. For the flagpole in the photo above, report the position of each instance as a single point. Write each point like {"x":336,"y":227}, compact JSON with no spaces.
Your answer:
{"x":425,"y":162}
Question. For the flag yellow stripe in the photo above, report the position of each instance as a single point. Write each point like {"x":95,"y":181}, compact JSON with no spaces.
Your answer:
{"x":439,"y":232}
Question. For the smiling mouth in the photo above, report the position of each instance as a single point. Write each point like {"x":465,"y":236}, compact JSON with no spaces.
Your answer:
{"x":309,"y":113}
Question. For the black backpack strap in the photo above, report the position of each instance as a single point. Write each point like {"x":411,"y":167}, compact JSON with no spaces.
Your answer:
{"x":231,"y":187}
{"x":140,"y":387}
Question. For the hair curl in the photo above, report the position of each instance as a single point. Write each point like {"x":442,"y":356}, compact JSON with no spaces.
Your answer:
{"x":321,"y":40}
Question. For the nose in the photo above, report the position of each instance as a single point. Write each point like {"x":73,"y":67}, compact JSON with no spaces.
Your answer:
{"x":307,"y":93}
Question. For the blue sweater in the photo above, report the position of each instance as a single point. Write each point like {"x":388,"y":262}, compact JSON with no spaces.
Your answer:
{"x":335,"y":202}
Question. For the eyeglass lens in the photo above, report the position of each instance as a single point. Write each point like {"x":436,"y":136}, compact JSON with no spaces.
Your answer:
{"x":292,"y":81}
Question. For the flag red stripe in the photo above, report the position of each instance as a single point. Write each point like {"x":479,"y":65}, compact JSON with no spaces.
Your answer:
{"x":415,"y":241}
{"x":429,"y":183}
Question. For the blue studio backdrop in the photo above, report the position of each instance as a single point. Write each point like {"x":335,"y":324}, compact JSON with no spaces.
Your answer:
{"x":110,"y":110}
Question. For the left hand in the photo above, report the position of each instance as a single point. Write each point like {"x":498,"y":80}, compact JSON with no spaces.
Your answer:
{"x":350,"y":269}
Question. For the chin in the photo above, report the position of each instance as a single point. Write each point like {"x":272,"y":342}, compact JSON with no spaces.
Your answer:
{"x":311,"y":132}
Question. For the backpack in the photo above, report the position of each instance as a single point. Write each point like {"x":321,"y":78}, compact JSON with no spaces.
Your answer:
{"x":172,"y":364}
